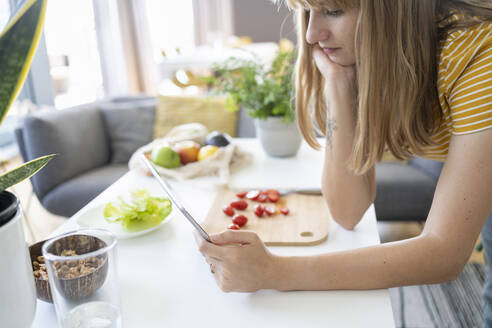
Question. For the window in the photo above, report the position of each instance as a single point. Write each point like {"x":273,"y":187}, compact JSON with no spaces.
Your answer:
{"x":73,"y":54}
{"x":4,"y":13}
{"x":171,"y":27}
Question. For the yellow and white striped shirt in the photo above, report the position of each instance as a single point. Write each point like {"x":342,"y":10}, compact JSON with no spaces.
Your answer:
{"x":464,"y":83}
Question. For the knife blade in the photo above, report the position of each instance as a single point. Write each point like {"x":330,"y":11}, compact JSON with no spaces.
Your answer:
{"x":304,"y":191}
{"x":167,"y":188}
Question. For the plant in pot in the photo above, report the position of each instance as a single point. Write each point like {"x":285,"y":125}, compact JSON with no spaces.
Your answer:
{"x":266,"y":92}
{"x":18,"y":43}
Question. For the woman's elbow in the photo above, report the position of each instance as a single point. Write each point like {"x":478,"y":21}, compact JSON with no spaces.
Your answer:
{"x":450,"y":273}
{"x":446,"y":264}
{"x":345,"y":210}
{"x":346,"y":215}
{"x":454,"y":271}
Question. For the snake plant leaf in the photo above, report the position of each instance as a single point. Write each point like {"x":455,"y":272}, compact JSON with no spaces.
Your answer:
{"x":23,"y":172}
{"x":18,"y":43}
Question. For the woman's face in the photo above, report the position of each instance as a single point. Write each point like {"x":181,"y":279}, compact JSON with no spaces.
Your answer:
{"x":334,"y":31}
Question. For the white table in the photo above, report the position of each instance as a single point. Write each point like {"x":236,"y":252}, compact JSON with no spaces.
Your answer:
{"x":165,"y":281}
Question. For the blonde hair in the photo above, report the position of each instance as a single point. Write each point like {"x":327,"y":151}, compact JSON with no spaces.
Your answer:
{"x":397,"y":99}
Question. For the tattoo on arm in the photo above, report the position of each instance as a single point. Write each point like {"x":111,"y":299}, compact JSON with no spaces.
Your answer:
{"x":331,"y":127}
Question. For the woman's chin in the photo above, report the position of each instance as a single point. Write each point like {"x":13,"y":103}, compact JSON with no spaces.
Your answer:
{"x":341,"y":60}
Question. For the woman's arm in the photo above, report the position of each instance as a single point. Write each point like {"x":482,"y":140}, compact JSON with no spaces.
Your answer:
{"x":348,"y":195}
{"x":462,"y":202}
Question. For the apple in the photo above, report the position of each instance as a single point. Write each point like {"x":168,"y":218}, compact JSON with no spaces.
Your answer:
{"x":165,"y":156}
{"x":206,"y":152}
{"x":187,"y":151}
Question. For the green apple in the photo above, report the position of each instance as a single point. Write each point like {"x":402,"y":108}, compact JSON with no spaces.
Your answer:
{"x":166,"y":157}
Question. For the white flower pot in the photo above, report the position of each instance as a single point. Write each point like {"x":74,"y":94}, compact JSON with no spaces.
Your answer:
{"x":278,"y":139}
{"x":17,"y":290}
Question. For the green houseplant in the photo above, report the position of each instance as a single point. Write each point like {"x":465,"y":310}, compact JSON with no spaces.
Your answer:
{"x":18,"y":42}
{"x":266,"y":92}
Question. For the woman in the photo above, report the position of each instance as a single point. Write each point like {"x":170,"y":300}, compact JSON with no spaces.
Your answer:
{"x":408,"y":76}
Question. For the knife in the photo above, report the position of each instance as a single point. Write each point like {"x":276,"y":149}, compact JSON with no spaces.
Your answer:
{"x":167,"y":188}
{"x":304,"y":191}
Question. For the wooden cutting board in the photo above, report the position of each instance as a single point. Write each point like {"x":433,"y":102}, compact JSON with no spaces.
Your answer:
{"x":306,"y":224}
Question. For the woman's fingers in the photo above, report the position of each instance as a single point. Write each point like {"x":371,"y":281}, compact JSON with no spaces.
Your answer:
{"x":208,"y":249}
{"x":238,"y":260}
{"x":333,"y":73}
{"x":322,"y":61}
{"x":234,"y":237}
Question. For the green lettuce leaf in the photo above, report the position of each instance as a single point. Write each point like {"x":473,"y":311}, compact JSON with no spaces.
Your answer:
{"x":140,"y":212}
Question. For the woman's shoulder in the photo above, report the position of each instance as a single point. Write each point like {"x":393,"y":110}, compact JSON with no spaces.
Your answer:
{"x":457,"y":28}
{"x":465,"y":78}
{"x":463,"y":49}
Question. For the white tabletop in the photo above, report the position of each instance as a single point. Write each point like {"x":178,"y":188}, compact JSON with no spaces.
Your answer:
{"x":165,"y":282}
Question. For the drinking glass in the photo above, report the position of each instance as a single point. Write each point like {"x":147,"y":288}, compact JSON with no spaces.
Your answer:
{"x":83,"y":277}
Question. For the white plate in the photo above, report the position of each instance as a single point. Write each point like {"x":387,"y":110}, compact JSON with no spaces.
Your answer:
{"x":94,"y":218}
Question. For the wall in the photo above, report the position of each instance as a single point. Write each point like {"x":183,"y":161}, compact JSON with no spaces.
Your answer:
{"x":262,"y":20}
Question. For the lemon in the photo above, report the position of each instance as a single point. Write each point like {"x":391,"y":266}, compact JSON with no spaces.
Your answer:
{"x":206,"y":152}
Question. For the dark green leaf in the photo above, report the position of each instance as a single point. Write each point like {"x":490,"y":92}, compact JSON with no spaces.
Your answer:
{"x":23,"y":172}
{"x":17,"y":46}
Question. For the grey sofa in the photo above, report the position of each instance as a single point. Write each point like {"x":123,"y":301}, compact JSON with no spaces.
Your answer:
{"x":95,"y":142}
{"x":404,"y":192}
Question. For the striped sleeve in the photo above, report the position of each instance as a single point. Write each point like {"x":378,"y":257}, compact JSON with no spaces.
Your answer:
{"x":470,"y":99}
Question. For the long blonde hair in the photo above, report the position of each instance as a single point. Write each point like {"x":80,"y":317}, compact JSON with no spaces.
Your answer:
{"x":397,"y":100}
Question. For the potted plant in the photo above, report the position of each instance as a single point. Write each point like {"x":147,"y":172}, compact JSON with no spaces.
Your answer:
{"x":18,"y":43}
{"x":266,"y":92}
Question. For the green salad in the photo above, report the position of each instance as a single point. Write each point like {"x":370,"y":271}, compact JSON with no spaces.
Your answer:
{"x":139,"y":213}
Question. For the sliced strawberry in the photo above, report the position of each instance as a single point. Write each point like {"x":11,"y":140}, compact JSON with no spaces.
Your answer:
{"x":273,"y":195}
{"x":259,"y":210}
{"x":239,"y":204}
{"x":253,"y":194}
{"x":228,"y":210}
{"x":241,"y":194}
{"x":233,"y":226}
{"x":284,"y":210}
{"x":239,"y":219}
{"x":270,"y":210}
{"x":262,"y":198}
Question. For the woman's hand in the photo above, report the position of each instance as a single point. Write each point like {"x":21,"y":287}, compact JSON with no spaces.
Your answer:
{"x":239,"y":261}
{"x":339,"y":80}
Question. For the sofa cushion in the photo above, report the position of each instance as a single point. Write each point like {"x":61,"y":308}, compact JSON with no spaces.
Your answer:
{"x":71,"y":196}
{"x":403,"y":193}
{"x":75,"y":134}
{"x":431,"y":167}
{"x":129,"y":125}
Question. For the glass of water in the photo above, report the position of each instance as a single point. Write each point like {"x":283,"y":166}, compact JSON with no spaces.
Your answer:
{"x":82,"y":273}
